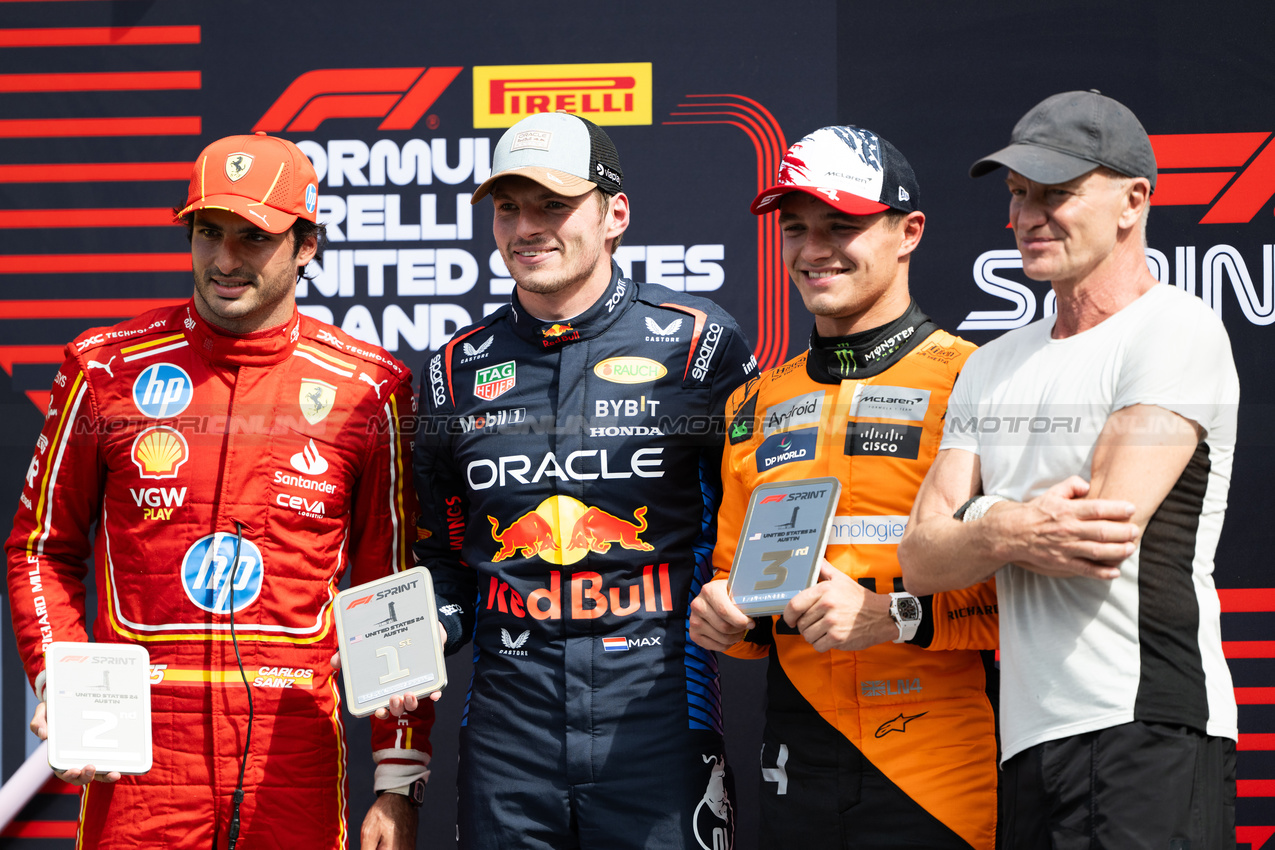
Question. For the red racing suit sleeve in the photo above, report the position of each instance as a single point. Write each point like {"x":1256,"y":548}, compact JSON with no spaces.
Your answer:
{"x":383,"y":518}
{"x":50,"y":543}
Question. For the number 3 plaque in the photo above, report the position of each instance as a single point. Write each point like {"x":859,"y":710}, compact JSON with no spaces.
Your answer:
{"x":784,"y":536}
{"x":387,"y":632}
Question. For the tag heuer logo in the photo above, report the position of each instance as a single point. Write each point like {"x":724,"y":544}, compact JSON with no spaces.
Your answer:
{"x":493,"y":381}
{"x":237,"y":165}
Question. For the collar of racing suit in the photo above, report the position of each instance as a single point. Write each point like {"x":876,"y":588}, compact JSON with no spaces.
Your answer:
{"x":592,"y":322}
{"x":834,"y":359}
{"x":260,"y":348}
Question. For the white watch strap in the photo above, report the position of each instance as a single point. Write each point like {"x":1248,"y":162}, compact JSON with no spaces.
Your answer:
{"x":907,"y":628}
{"x":979,"y":507}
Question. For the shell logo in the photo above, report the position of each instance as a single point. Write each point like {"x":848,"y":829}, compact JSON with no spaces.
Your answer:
{"x":160,"y":452}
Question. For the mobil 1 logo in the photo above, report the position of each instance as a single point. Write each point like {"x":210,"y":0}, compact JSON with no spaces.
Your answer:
{"x":883,"y":440}
{"x":388,"y":637}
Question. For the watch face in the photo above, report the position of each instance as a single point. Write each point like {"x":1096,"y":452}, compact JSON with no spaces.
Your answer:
{"x":908,"y":608}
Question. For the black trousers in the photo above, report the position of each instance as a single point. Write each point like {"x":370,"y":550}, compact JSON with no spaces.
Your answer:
{"x":1129,"y":787}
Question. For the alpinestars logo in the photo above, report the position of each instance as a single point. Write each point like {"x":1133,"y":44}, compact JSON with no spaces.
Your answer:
{"x":898,"y":724}
{"x":513,"y":645}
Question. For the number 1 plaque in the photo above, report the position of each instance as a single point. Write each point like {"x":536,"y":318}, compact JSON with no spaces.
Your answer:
{"x":387,"y":632}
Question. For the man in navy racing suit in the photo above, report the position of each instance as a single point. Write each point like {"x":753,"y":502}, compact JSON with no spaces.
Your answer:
{"x":568,"y":463}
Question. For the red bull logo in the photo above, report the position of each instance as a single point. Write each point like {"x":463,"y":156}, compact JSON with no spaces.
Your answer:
{"x":558,"y":333}
{"x":529,"y":533}
{"x":556,"y":330}
{"x":562,"y":530}
{"x":589,"y":596}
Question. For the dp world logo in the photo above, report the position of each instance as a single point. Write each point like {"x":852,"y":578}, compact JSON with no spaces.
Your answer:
{"x":207,"y":569}
{"x":162,"y":390}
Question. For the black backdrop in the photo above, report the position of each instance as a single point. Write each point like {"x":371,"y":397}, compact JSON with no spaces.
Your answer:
{"x":728,"y":85}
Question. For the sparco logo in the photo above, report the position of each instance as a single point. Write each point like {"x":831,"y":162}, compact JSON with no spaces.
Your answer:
{"x":706,"y":351}
{"x":436,"y":380}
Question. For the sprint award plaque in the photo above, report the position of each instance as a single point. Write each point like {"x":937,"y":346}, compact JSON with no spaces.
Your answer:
{"x":387,"y":634}
{"x":785,"y":533}
{"x":99,"y":706}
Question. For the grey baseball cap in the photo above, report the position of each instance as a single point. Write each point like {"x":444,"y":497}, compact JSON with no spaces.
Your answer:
{"x":1070,"y":134}
{"x":561,"y":151}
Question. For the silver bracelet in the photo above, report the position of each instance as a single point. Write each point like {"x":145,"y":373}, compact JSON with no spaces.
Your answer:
{"x":980,"y":506}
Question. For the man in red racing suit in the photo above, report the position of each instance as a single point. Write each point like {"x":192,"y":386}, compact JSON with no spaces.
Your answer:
{"x":879,"y":730}
{"x":182,"y":440}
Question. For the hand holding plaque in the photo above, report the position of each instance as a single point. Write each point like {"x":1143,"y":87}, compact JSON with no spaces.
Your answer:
{"x":98,"y":699}
{"x":388,"y":640}
{"x":785,"y":534}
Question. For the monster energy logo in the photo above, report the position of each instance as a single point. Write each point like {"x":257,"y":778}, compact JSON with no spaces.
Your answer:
{"x":845,"y":359}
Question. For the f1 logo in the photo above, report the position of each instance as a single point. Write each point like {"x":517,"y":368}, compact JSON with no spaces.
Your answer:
{"x":779,"y":497}
{"x":362,"y":600}
{"x":1233,"y":175}
{"x":399,"y":95}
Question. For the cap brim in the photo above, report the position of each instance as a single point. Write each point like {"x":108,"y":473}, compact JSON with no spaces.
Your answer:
{"x":770,"y":199}
{"x":1043,"y":165}
{"x":558,"y":182}
{"x":267,"y":218}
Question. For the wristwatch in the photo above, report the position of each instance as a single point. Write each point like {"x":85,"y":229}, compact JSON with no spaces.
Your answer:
{"x":415,"y":793}
{"x":906,"y":612}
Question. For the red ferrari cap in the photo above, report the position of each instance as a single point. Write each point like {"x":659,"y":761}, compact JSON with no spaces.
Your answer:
{"x":264,"y":179}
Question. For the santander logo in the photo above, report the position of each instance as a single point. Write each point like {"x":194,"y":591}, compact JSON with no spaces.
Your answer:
{"x":308,"y":461}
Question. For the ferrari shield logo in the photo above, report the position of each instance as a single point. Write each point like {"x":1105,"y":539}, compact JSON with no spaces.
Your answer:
{"x":237,"y":165}
{"x":317,"y":398}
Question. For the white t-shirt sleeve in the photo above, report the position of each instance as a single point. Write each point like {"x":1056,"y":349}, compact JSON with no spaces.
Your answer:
{"x":962,"y":406}
{"x":1180,"y":361}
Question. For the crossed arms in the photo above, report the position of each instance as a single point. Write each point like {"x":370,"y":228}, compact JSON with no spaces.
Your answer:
{"x":1073,"y":529}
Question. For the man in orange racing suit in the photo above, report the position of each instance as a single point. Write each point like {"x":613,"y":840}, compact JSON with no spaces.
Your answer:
{"x":879,"y":728}
{"x":237,"y":458}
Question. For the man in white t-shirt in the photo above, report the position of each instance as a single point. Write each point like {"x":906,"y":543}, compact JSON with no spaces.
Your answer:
{"x":1085,"y":464}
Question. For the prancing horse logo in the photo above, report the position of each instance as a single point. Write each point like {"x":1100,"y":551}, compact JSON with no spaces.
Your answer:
{"x":237,"y":165}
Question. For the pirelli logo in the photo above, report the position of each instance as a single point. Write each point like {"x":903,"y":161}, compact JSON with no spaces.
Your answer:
{"x":615,"y":93}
